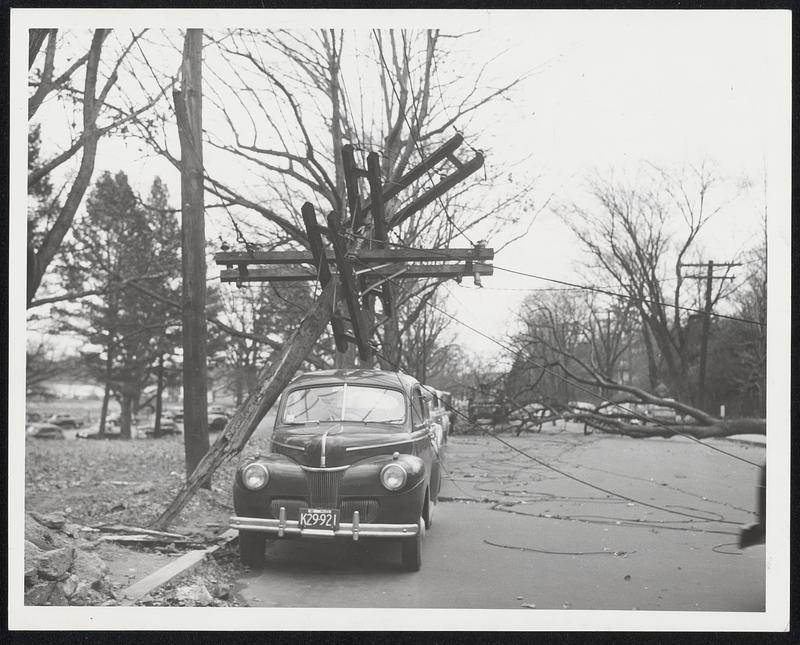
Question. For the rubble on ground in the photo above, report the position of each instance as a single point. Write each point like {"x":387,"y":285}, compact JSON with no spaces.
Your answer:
{"x":210,"y":584}
{"x":62,"y":569}
{"x":59,"y":569}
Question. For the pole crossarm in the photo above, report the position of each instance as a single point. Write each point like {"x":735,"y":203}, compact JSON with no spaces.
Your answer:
{"x":393,"y":188}
{"x":709,"y":277}
{"x":357,"y":252}
{"x":411,"y":271}
{"x":363,"y":256}
{"x":437,"y":191}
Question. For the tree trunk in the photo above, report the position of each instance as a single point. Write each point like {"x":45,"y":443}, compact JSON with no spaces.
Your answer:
{"x":125,"y":413}
{"x":652,"y":365}
{"x":39,"y":260}
{"x":159,"y":390}
{"x":280,"y":369}
{"x":720,"y":428}
{"x":104,"y":406}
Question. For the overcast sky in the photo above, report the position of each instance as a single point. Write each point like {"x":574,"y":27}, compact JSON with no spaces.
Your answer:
{"x":609,"y":89}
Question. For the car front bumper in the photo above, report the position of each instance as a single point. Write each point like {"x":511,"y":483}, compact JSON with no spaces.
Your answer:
{"x":353,"y":530}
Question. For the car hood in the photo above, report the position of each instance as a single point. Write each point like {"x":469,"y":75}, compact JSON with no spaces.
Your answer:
{"x":327,"y":445}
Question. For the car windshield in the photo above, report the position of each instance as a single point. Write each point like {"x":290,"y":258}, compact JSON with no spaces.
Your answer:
{"x":345,"y":403}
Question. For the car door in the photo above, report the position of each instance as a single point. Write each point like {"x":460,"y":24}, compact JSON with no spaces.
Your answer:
{"x":429,"y":448}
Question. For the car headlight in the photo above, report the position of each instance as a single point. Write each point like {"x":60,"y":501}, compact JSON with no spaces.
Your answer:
{"x":393,"y":476}
{"x":255,"y":476}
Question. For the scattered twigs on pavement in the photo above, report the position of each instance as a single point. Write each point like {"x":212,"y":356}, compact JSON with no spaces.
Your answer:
{"x":527,"y":548}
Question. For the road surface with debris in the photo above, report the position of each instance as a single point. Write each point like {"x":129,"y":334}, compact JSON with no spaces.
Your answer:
{"x":513,"y":533}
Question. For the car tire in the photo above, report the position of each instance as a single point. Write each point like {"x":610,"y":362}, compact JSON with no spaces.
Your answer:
{"x":251,"y":548}
{"x":429,"y":510}
{"x":411,"y":550}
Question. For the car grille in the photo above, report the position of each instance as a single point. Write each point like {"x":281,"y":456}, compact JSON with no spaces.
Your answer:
{"x":367,"y":509}
{"x":292,"y":507}
{"x":323,"y":488}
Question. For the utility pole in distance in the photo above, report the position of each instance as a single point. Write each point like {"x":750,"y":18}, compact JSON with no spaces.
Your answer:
{"x":709,"y":277}
{"x":188,"y":111}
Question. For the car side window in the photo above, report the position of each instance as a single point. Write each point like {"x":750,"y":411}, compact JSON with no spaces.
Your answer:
{"x":418,"y":407}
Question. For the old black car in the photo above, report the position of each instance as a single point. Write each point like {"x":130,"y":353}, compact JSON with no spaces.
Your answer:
{"x":354,"y":455}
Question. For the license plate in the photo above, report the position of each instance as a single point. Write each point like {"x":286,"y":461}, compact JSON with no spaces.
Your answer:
{"x":319,"y":518}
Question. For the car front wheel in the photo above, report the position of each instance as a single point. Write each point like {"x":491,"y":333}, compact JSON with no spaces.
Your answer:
{"x":411,"y":549}
{"x":251,"y":548}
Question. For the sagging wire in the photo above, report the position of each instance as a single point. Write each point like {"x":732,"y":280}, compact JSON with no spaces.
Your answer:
{"x":579,"y":386}
{"x":522,"y":497}
{"x":562,"y":472}
{"x":527,"y":548}
{"x":583,"y":287}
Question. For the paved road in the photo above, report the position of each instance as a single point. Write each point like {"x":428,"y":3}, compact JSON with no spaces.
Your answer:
{"x":556,"y":542}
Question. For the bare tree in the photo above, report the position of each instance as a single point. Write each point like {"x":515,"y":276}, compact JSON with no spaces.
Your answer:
{"x":638,"y":236}
{"x":285,"y":102}
{"x":552,"y":325}
{"x":559,"y":352}
{"x":268,"y":313}
{"x":100,"y":106}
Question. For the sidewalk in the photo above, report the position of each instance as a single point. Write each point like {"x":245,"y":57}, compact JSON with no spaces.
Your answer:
{"x":759,"y":439}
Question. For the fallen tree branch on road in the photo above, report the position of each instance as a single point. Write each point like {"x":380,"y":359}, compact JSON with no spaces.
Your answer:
{"x":704,"y":425}
{"x":718,"y":428}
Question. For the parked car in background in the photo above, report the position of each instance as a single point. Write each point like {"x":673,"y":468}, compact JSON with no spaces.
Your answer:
{"x":33,"y":417}
{"x":176,"y":414}
{"x":167,"y":426}
{"x":486,"y":409}
{"x":528,"y":412}
{"x":449,"y":406}
{"x":44,"y":431}
{"x":65,"y":421}
{"x":112,"y":432}
{"x":581,"y":406}
{"x":614,"y":410}
{"x":353,"y":457}
{"x":438,"y":413}
{"x":217,"y":418}
{"x":662,"y":413}
{"x":113,"y":429}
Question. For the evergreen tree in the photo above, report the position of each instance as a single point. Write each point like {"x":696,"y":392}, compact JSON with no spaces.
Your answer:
{"x":127,"y":251}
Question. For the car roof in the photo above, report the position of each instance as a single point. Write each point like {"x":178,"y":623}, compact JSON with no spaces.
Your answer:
{"x":380,"y":378}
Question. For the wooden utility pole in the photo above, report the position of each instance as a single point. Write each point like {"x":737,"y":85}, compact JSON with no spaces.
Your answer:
{"x":189,"y":110}
{"x":709,"y":277}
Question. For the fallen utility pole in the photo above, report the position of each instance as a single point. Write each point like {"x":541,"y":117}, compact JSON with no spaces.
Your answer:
{"x":345,"y":249}
{"x":364,"y":270}
{"x":272,"y":380}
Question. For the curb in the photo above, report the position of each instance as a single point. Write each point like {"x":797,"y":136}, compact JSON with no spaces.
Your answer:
{"x":186,"y":562}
